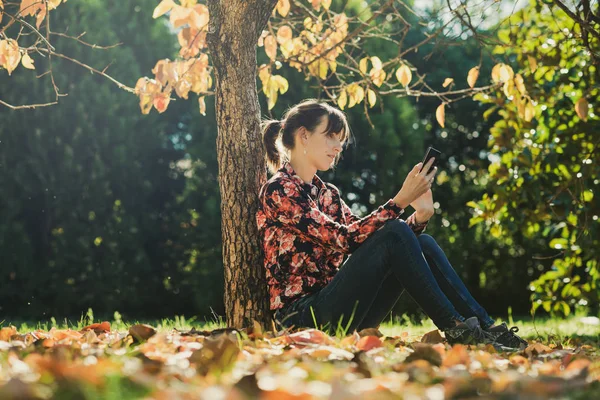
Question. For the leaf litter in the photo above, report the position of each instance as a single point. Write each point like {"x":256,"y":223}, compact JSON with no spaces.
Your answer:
{"x":252,"y":363}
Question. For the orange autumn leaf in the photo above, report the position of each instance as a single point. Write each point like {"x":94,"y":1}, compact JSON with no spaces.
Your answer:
{"x":472,"y":76}
{"x":283,"y":7}
{"x":10,"y":55}
{"x":271,"y":46}
{"x":161,"y":101}
{"x":27,"y":62}
{"x":162,"y":8}
{"x":367,"y":343}
{"x":6,"y":333}
{"x":581,"y":108}
{"x":404,"y":75}
{"x":440,"y":114}
{"x":98,"y":327}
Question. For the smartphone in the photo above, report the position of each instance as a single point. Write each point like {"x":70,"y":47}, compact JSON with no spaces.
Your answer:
{"x":431,"y":152}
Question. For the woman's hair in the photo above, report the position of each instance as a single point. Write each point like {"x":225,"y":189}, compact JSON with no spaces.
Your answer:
{"x":278,"y":136}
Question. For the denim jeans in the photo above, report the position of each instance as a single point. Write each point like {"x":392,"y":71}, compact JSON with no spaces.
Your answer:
{"x":369,"y":283}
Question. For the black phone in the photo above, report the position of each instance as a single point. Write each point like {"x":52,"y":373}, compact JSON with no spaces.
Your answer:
{"x":431,"y":152}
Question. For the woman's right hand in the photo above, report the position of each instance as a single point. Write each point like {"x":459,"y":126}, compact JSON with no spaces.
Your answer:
{"x":415,"y":184}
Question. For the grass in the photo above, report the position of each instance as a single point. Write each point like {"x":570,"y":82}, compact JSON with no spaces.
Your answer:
{"x":567,"y":331}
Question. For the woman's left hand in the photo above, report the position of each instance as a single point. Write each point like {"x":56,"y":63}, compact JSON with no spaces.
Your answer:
{"x":424,"y":204}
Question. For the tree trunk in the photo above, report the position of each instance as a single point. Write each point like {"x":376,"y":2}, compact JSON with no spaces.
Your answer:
{"x":234,"y":29}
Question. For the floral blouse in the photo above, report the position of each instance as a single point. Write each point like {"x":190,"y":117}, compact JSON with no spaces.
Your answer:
{"x":306,"y":230}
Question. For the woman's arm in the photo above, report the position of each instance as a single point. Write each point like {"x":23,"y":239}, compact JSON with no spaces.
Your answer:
{"x":417,"y":227}
{"x":348,"y":214}
{"x":412,"y":221}
{"x":282,"y":202}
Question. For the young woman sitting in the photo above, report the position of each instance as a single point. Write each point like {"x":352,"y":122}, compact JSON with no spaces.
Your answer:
{"x":307,"y":229}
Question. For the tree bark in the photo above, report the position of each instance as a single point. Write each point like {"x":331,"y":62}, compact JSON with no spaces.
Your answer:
{"x":234,"y":29}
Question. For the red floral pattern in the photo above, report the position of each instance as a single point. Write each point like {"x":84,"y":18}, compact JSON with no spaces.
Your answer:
{"x":306,"y":230}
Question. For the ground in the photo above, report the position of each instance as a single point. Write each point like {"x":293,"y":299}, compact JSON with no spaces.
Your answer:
{"x":181,"y":359}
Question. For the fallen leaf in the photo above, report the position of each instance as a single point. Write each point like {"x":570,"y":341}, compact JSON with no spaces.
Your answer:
{"x":433,"y":336}
{"x":311,"y":336}
{"x":425,"y":352}
{"x":370,"y":332}
{"x":535,"y":349}
{"x":141,"y":332}
{"x":98,"y":328}
{"x":6,"y":333}
{"x":216,"y":355}
{"x":367,"y":343}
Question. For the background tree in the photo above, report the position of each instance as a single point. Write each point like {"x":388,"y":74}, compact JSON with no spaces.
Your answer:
{"x":544,"y":178}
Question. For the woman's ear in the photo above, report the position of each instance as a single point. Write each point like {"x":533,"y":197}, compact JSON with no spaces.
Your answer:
{"x":303,"y":134}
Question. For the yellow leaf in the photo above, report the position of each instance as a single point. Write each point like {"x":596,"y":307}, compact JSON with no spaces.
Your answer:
{"x":519,"y":84}
{"x":199,"y":17}
{"x":264,"y":73}
{"x":27,"y":61}
{"x":372,"y":97}
{"x":377,"y":64}
{"x":271,"y":47}
{"x":362,"y":65}
{"x":188,"y":3}
{"x":496,"y":72}
{"x":284,"y":34}
{"x":180,"y":16}
{"x":529,"y":111}
{"x":10,"y":55}
{"x":283,"y":7}
{"x":440,"y":115}
{"x":472,"y":76}
{"x":581,"y":108}
{"x":162,"y":8}
{"x":404,"y":75}
{"x":202,"y":105}
{"x":506,"y":73}
{"x":280,"y":83}
{"x":532,"y":63}
{"x":161,"y":101}
{"x":447,"y":82}
{"x":323,"y":67}
{"x":509,"y":87}
{"x":326,"y":4}
{"x":342,"y":99}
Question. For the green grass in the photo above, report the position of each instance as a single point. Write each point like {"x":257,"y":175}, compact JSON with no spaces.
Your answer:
{"x":567,"y":331}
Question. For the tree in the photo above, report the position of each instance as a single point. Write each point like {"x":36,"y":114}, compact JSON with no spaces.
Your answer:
{"x":545,"y":175}
{"x":314,"y":39}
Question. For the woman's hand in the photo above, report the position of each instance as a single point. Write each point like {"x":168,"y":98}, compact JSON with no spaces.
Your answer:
{"x":416,"y":184}
{"x":424,"y":206}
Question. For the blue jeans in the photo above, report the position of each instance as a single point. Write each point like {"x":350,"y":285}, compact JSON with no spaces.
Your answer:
{"x":370,"y":282}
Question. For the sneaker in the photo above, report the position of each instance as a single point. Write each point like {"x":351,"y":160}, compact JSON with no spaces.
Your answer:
{"x":468,"y":332}
{"x":505,"y":338}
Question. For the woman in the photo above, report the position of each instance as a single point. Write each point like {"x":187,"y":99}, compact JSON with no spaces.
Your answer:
{"x":307,"y":229}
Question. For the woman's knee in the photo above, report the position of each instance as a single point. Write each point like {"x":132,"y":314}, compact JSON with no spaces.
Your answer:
{"x":399,"y":227}
{"x":427,"y":241}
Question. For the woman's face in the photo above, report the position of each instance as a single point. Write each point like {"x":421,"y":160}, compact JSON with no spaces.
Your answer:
{"x":322,"y":149}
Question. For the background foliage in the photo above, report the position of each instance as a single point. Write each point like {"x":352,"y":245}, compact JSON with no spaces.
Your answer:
{"x":104,"y":207}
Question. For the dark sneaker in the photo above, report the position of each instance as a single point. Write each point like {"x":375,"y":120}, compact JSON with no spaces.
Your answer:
{"x":468,"y":332}
{"x":505,"y":338}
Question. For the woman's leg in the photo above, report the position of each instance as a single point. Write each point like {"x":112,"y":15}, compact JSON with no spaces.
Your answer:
{"x":355,"y":287}
{"x":450,"y":283}
{"x":388,"y":295}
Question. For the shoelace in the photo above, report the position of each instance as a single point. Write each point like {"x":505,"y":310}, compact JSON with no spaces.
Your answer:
{"x":513,"y":339}
{"x":479,"y":334}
